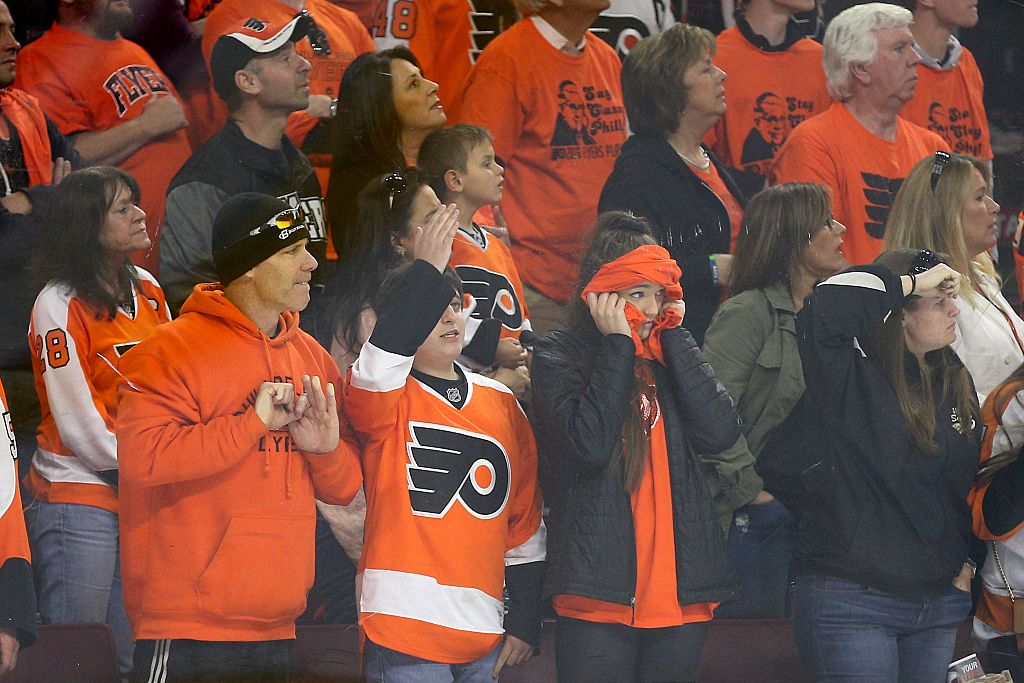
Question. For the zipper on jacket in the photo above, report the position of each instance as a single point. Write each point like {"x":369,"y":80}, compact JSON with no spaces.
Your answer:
{"x":632,"y":606}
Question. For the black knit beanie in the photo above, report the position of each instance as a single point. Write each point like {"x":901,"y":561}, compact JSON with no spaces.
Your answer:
{"x":241,"y":239}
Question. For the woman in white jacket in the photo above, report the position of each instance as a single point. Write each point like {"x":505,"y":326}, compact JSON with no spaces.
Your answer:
{"x":944,"y":205}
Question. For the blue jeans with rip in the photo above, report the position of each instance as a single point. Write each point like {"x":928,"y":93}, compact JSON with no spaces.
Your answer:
{"x":384,"y":664}
{"x":762,"y":539}
{"x":849,"y":632}
{"x":77,"y":567}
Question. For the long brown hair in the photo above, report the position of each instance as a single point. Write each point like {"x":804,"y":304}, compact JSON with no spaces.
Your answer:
{"x":917,"y":395}
{"x":778,"y":224}
{"x":615,"y":234}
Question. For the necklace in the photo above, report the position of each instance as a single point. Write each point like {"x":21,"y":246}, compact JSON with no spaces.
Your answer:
{"x":705,"y":165}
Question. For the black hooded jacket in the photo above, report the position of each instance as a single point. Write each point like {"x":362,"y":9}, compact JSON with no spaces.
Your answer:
{"x":881,"y":512}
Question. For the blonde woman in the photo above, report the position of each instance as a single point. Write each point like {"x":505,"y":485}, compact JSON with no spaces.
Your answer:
{"x":944,"y":205}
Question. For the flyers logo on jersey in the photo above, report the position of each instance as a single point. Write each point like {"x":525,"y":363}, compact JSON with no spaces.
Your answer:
{"x":448,"y":464}
{"x":879,"y":192}
{"x":494,"y":295}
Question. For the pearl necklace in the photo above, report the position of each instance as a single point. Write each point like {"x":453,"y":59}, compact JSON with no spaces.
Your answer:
{"x":700,"y":167}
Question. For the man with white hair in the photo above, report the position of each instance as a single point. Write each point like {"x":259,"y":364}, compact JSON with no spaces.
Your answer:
{"x":860,"y":148}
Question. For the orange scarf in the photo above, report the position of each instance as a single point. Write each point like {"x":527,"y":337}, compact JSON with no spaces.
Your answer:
{"x":24,"y":114}
{"x":648,"y":263}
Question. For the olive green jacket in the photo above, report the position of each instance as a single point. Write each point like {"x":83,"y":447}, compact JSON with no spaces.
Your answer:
{"x":751,"y":344}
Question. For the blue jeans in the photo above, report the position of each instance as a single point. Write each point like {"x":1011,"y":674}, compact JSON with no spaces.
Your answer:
{"x":78,"y":568}
{"x":762,"y":539}
{"x":384,"y":664}
{"x":849,"y":632}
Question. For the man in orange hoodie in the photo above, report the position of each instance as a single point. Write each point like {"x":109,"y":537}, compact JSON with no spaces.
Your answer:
{"x":230,"y":428}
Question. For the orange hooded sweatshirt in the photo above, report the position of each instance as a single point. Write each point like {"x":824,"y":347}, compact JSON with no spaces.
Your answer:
{"x":217,"y":514}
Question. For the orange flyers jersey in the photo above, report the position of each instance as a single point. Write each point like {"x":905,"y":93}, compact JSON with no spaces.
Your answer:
{"x":451,"y":497}
{"x":490,"y":277}
{"x":862,"y":171}
{"x":346,"y":35}
{"x":445,"y":35}
{"x":950,"y":103}
{"x":85,"y":84}
{"x":558,"y":123}
{"x":769,"y":94}
{"x":13,"y":539}
{"x":75,"y":363}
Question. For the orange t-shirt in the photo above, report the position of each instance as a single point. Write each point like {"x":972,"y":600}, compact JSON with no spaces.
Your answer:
{"x":558,"y":123}
{"x":769,"y":94}
{"x":656,"y":602}
{"x":717,"y":185}
{"x":13,"y":539}
{"x":348,"y":39}
{"x":950,"y":103}
{"x":445,"y":35}
{"x":86,"y":84}
{"x":862,"y":170}
{"x":74,"y":360}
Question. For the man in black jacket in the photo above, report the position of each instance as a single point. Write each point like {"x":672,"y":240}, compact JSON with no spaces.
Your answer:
{"x":258,"y":74}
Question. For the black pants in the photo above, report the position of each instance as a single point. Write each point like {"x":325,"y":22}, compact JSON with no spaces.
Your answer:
{"x":1002,"y":654}
{"x":164,"y":661}
{"x":592,"y":652}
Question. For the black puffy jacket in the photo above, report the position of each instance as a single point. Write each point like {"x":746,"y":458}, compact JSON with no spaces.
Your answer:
{"x":578,"y":419}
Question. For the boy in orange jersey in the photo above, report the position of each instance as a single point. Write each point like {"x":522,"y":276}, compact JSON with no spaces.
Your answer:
{"x":221,"y":458}
{"x":450,"y":468}
{"x":460,"y":165}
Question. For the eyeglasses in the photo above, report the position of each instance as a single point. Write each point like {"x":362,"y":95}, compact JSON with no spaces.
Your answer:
{"x":317,"y":36}
{"x":924,"y":261}
{"x":939,"y":164}
{"x":394,"y":184}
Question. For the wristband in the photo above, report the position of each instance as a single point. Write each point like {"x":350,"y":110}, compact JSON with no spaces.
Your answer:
{"x":913,"y":283}
{"x":714,"y":269}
